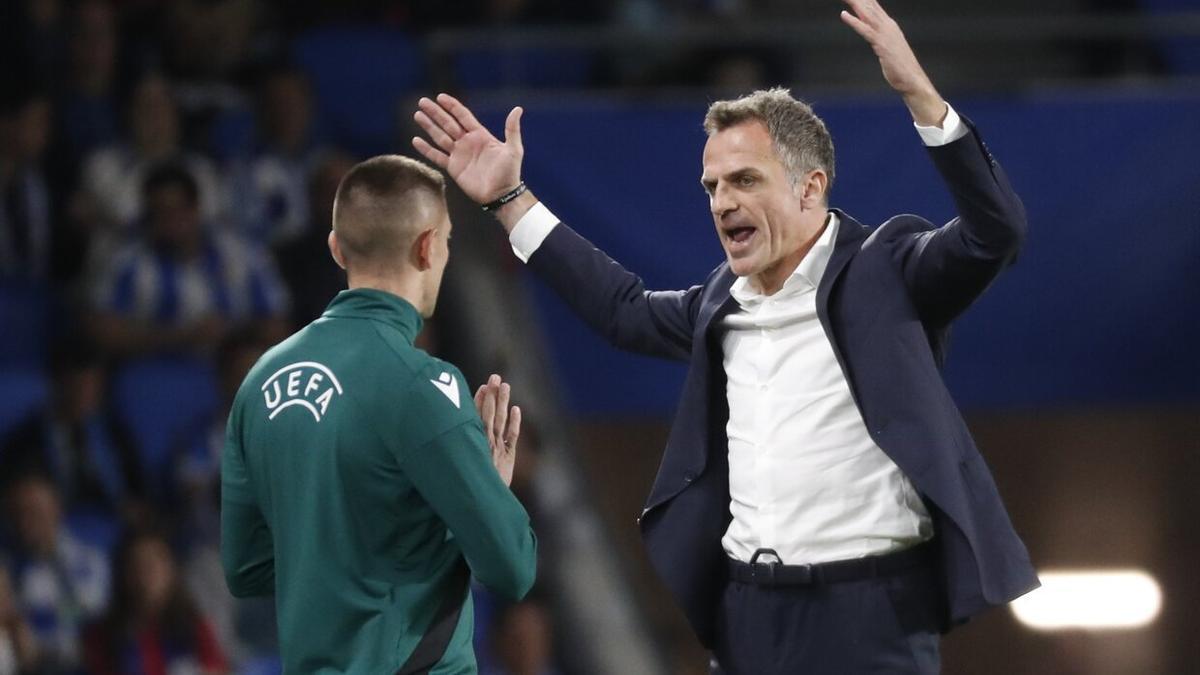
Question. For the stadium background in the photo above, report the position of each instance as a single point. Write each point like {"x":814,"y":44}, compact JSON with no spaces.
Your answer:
{"x":1078,"y":369}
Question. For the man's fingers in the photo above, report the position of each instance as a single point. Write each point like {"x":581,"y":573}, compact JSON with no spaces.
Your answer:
{"x":512,"y":129}
{"x":488,"y":411}
{"x":857,"y":24}
{"x":440,"y":117}
{"x":514,"y":429}
{"x":503,"y":393}
{"x":435,"y":131}
{"x":479,"y":399}
{"x":460,"y":112}
{"x":867,"y":11}
{"x":441,"y":159}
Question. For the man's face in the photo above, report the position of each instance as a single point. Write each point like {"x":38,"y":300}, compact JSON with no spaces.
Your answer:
{"x":755,"y":209}
{"x":174,"y":218}
{"x":37,"y":515}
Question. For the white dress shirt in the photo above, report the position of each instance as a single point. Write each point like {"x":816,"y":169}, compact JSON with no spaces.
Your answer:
{"x":805,"y":477}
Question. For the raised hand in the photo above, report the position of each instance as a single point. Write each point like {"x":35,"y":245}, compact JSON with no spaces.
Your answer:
{"x":900,"y":66}
{"x":501,"y":425}
{"x":482,"y":166}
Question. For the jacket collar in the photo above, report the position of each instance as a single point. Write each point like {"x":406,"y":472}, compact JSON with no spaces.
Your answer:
{"x":849,"y":237}
{"x":370,"y":303}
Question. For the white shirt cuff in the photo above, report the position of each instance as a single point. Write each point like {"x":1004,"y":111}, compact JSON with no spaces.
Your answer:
{"x":531,"y":230}
{"x":951,"y":130}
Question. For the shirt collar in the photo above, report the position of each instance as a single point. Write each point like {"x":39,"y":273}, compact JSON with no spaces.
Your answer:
{"x":807,"y":274}
{"x":371,"y":303}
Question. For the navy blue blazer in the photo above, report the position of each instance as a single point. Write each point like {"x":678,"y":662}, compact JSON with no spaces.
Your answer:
{"x":886,"y":301}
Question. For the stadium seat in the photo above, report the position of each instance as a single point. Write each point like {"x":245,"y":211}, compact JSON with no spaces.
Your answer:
{"x":25,"y":315}
{"x":542,"y":68}
{"x":94,"y":528}
{"x":22,"y":391}
{"x":359,"y":76}
{"x":161,"y":399}
{"x":1182,"y":54}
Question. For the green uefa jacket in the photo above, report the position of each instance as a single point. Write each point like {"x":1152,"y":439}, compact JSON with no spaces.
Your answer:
{"x":354,"y":476}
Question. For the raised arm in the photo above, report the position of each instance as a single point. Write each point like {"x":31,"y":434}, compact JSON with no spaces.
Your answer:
{"x":612,"y":300}
{"x":946,"y":268}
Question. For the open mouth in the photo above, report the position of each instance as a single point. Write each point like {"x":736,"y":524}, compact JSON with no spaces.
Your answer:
{"x":739,"y":237}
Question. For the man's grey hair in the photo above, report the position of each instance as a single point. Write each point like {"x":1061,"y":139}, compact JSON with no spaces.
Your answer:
{"x":799,"y":136}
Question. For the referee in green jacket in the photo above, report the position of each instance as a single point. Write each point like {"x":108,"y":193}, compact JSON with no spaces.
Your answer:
{"x":358,"y":472}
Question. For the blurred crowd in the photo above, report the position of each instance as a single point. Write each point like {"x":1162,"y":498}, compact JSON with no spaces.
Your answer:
{"x":165,"y":199}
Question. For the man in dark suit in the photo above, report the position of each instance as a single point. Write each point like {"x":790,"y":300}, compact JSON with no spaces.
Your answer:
{"x":821,"y":506}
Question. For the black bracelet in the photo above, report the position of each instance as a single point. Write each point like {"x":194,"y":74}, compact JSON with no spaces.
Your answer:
{"x":506,"y":197}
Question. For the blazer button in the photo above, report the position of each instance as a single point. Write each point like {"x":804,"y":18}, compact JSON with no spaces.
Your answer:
{"x":688,"y":478}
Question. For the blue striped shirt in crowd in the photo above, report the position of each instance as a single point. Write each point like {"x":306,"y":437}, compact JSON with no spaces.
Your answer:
{"x":231,"y":278}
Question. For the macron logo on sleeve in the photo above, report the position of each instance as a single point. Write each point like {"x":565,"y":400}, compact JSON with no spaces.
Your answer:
{"x":448,"y":386}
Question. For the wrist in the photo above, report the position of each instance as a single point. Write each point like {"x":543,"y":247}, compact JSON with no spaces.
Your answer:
{"x":927,"y":107}
{"x":510,"y":213}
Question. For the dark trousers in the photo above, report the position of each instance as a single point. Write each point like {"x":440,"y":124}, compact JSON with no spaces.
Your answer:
{"x":886,"y":624}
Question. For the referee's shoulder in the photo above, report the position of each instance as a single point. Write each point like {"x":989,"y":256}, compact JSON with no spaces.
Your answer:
{"x":401,"y":359}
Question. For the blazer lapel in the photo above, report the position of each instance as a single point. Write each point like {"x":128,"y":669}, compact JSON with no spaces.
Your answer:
{"x":850,"y":236}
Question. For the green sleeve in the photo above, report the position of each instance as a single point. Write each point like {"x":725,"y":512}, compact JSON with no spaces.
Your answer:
{"x":247,"y":552}
{"x":453,"y":472}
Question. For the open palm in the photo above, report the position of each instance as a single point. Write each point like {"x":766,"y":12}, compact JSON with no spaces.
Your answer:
{"x":482,"y":166}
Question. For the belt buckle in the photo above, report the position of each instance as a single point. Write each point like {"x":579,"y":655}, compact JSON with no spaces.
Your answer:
{"x":764,"y":572}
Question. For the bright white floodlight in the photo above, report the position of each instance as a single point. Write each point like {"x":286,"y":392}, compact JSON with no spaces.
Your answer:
{"x":1090,"y":600}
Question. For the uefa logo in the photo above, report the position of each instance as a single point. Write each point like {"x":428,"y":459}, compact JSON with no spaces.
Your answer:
{"x":307,"y":384}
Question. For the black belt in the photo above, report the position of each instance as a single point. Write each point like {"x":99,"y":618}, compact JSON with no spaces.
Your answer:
{"x":778,"y":574}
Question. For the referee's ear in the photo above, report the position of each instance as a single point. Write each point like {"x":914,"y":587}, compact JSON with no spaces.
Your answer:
{"x":422,"y":249}
{"x":335,"y":250}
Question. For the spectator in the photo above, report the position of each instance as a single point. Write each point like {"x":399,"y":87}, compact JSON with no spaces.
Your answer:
{"x":209,"y":40}
{"x":198,"y":468}
{"x":180,"y":287}
{"x":88,"y":109}
{"x":523,"y":641}
{"x":113,"y":176}
{"x":61,"y":582}
{"x":198,"y":463}
{"x":271,"y":187}
{"x":26,"y":220}
{"x":305,"y":263}
{"x":153,"y":626}
{"x":18,"y":647}
{"x":75,"y":441}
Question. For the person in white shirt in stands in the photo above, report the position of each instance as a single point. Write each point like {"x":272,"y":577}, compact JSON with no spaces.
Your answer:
{"x":820,"y":507}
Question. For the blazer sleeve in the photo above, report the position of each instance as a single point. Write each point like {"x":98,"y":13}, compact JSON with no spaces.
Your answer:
{"x":614,"y":301}
{"x":947,"y":268}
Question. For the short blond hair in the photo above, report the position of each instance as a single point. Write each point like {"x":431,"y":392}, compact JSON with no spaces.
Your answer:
{"x":800,"y":137}
{"x":383,"y":203}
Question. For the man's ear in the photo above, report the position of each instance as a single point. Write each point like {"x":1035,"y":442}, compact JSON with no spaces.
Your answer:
{"x":422,"y":249}
{"x":812,"y":189}
{"x":335,"y":250}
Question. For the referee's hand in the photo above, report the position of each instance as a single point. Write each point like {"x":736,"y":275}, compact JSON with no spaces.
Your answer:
{"x":501,"y":425}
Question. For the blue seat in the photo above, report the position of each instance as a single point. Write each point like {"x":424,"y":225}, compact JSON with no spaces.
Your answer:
{"x":161,"y":400}
{"x":537,"y":67}
{"x":22,"y":391}
{"x":1182,"y":54}
{"x":359,"y":76}
{"x":25,"y":312}
{"x":231,"y":133}
{"x":262,"y":665}
{"x":94,"y":528}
